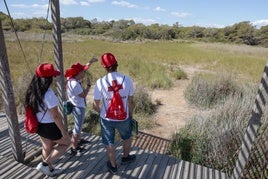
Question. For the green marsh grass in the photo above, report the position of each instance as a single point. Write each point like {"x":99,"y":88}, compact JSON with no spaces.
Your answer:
{"x":152,"y":64}
{"x":157,"y":64}
{"x":213,"y":139}
{"x":206,"y":91}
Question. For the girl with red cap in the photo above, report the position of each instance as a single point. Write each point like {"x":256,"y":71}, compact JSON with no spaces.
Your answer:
{"x":43,"y":102}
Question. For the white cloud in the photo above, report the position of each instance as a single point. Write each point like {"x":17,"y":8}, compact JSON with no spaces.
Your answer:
{"x":260,"y":23}
{"x":68,"y":2}
{"x":89,"y":2}
{"x":210,"y":25}
{"x":179,"y":14}
{"x":33,"y":10}
{"x":144,"y":21}
{"x":84,"y":3}
{"x":124,"y":4}
{"x":40,"y":6}
{"x":95,"y":1}
{"x":19,"y":5}
{"x":159,"y":9}
{"x":30,"y":6}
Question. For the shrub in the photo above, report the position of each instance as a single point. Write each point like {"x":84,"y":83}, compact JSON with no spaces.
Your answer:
{"x":143,"y":102}
{"x":178,"y":74}
{"x":91,"y":123}
{"x":215,"y":138}
{"x":206,"y":93}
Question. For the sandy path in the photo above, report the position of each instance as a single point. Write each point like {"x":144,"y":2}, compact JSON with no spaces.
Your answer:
{"x":173,"y":112}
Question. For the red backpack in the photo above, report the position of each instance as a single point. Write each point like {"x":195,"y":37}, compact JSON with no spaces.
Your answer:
{"x":30,"y":122}
{"x":116,"y":108}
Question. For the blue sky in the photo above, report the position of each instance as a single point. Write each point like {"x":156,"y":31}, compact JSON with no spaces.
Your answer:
{"x":206,"y":13}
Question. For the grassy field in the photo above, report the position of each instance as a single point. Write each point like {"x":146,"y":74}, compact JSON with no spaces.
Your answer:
{"x":142,"y":60}
{"x":157,"y":64}
{"x":151,"y":64}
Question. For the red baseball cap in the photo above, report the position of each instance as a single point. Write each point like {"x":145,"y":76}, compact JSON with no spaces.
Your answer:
{"x":108,"y":60}
{"x":75,"y":69}
{"x":46,"y":70}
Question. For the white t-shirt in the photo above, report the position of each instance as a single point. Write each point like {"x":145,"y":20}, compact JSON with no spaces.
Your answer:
{"x":74,"y":88}
{"x":101,"y":91}
{"x":50,"y":101}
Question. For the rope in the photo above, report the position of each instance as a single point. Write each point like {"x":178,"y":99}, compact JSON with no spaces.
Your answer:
{"x":16,"y":34}
{"x":24,"y":56}
{"x":44,"y":35}
{"x":13,"y":27}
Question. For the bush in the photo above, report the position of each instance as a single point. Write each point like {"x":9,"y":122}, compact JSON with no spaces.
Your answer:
{"x":143,"y":102}
{"x":92,"y":124}
{"x":206,"y":93}
{"x":213,"y":139}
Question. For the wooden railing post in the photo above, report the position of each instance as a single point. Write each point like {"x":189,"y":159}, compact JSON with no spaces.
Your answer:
{"x":57,"y":42}
{"x":253,"y":126}
{"x":9,"y":101}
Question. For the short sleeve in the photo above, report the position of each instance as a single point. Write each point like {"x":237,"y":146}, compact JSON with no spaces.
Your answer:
{"x":51,"y":100}
{"x":97,"y":90}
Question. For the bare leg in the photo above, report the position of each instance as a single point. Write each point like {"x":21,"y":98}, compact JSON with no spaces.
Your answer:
{"x":111,"y":154}
{"x":47,"y":147}
{"x":49,"y":153}
{"x":75,"y":139}
{"x":126,"y":147}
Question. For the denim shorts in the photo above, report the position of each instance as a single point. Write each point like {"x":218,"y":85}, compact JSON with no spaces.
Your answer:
{"x":79,"y":118}
{"x":108,"y":130}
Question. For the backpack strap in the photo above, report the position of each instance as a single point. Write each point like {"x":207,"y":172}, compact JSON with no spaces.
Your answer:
{"x":44,"y":114}
{"x":112,"y":86}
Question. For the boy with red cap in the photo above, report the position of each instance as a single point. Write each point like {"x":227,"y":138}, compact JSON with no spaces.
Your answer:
{"x":103,"y":92}
{"x":77,"y":96}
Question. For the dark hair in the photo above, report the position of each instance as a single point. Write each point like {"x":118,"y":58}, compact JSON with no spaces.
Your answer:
{"x":36,"y":92}
{"x":112,"y":68}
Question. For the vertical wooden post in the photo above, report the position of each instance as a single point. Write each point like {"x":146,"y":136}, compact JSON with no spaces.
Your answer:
{"x":253,"y":127}
{"x":8,"y":97}
{"x":57,"y":42}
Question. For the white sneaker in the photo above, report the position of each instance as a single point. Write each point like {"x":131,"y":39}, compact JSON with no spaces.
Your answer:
{"x":57,"y":171}
{"x":44,"y":169}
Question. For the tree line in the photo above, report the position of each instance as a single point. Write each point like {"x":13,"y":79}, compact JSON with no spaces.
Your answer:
{"x":239,"y":33}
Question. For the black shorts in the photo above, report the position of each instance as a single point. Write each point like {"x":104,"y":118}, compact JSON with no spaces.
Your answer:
{"x":49,"y":131}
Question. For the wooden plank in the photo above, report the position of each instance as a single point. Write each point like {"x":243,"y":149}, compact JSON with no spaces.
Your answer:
{"x":126,"y":170}
{"x":198,"y":171}
{"x":186,"y":169}
{"x":100,"y":171}
{"x":79,"y":166}
{"x":170,"y":167}
{"x":161,"y":166}
{"x":92,"y":163}
{"x":150,"y":144}
{"x":9,"y":165}
{"x":177,"y":172}
{"x":13,"y":167}
{"x":22,"y":170}
{"x":147,"y":165}
{"x":133,"y":171}
{"x":5,"y":165}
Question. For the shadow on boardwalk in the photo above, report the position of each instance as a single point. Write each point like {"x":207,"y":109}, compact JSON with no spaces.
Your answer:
{"x":92,"y":162}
